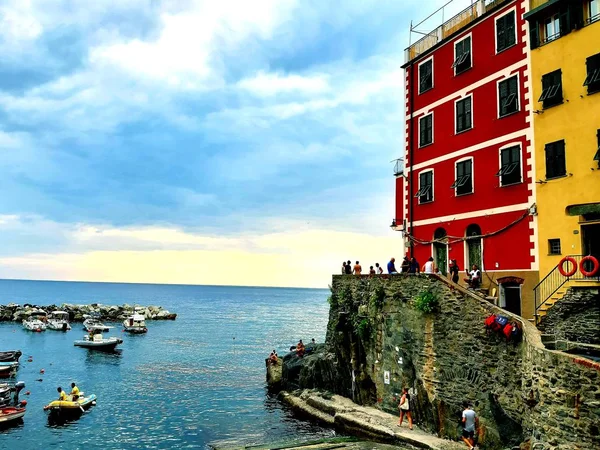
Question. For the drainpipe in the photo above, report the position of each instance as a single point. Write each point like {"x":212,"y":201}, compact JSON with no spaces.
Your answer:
{"x":410,"y":154}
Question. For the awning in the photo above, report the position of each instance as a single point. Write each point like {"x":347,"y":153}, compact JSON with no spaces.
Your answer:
{"x":540,"y":8}
{"x":580,"y":210}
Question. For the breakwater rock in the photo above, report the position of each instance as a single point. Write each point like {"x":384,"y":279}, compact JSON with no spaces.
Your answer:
{"x":108,"y":313}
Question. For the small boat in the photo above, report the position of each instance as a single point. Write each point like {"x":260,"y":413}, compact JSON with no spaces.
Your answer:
{"x":82,"y":403}
{"x":9,"y":393}
{"x":36,"y":321}
{"x":8,"y":369}
{"x":12,"y":355}
{"x":135,"y":323}
{"x":59,"y":320}
{"x":97,"y":342}
{"x":93,"y":324}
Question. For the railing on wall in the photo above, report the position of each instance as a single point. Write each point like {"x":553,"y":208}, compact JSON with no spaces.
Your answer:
{"x":446,"y":28}
{"x":398,"y":167}
{"x":552,"y":282}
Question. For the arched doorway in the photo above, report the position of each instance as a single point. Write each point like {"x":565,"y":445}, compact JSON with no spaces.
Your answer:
{"x":440,"y":250}
{"x":473,"y":247}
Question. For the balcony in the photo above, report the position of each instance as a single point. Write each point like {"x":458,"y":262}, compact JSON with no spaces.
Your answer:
{"x":398,"y":167}
{"x":448,"y":27}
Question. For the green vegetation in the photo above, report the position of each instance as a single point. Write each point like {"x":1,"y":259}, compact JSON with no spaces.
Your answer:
{"x":426,"y":301}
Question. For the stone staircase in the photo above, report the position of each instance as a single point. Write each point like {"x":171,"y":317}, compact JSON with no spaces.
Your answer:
{"x":559,"y":294}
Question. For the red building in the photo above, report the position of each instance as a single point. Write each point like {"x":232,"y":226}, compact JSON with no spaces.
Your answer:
{"x":466,"y":190}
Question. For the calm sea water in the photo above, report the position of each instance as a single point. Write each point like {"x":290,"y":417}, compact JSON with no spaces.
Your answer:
{"x":184,"y":384}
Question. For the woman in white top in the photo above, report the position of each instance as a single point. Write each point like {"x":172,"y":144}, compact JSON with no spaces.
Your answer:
{"x":429,"y":266}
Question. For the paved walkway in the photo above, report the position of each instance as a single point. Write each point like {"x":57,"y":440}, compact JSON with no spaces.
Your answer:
{"x":365,"y":421}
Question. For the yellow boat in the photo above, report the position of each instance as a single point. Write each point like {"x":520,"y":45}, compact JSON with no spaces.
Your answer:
{"x":81,"y":404}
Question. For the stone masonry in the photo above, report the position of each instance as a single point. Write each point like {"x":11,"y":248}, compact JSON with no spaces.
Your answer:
{"x":576,"y":317}
{"x":378,"y":342}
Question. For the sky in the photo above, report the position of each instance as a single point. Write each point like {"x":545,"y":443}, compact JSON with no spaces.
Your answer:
{"x":200,"y":142}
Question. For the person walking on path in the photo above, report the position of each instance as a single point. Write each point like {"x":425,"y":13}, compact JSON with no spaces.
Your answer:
{"x":454,"y":269}
{"x":391,"y":267}
{"x":404,"y":407}
{"x":348,"y":268}
{"x":470,"y":423}
{"x":378,"y":268}
{"x":357,"y":269}
{"x":429,"y":266}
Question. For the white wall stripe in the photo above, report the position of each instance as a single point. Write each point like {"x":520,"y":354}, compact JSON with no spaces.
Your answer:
{"x":472,"y":214}
{"x":467,"y":150}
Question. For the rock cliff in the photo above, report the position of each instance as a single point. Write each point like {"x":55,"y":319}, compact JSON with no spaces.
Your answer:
{"x":422,"y":333}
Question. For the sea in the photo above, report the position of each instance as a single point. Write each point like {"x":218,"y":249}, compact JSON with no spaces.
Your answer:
{"x":189,"y":383}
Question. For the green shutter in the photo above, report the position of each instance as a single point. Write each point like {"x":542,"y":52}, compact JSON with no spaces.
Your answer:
{"x":510,"y":29}
{"x":534,"y":35}
{"x":501,"y":34}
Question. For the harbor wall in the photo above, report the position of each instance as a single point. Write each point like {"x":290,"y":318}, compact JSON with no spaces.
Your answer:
{"x":378,"y":341}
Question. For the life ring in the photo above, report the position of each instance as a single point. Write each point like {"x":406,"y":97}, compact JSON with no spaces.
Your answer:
{"x":589,"y":273}
{"x":561,"y":268}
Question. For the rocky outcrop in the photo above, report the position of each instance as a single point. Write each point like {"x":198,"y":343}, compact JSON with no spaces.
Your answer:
{"x":107,"y":313}
{"x":419,"y":332}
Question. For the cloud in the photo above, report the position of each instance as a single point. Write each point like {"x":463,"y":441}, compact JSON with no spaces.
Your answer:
{"x":269,"y":84}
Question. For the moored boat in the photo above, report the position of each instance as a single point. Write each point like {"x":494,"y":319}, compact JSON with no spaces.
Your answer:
{"x":59,"y":320}
{"x":97,"y":342}
{"x":9,"y":356}
{"x":136,"y":323}
{"x":36,"y":321}
{"x":93,"y":324}
{"x":10,"y":407}
{"x":8,"y":369}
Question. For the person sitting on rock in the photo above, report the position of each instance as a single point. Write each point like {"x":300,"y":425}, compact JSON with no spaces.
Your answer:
{"x":300,"y":349}
{"x":273,"y":357}
{"x":474,"y":279}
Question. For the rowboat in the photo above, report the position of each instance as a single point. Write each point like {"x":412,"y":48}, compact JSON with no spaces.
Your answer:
{"x":8,"y":369}
{"x":9,"y":393}
{"x":12,"y":355}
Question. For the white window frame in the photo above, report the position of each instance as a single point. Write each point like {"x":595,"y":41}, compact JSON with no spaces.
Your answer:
{"x":432,"y":130}
{"x":432,"y":74}
{"x":468,"y":35}
{"x":472,"y":175}
{"x":498,"y":17}
{"x":456,"y":116}
{"x":498,"y":116}
{"x":432,"y":186}
{"x":466,"y":250}
{"x":504,"y":147}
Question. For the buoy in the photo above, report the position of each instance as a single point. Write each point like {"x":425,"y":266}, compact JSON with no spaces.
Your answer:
{"x":42,"y":371}
{"x":27,"y":393}
{"x":23,"y":402}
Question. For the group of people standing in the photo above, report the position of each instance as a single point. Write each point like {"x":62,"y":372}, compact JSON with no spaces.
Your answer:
{"x":412,"y":266}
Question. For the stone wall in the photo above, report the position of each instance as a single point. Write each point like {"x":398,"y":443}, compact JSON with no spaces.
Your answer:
{"x":575,"y":317}
{"x":379,"y":342}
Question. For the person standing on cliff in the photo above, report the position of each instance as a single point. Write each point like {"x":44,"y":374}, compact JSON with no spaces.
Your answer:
{"x":378,"y":268}
{"x":357,"y":269}
{"x":344,"y":268}
{"x":348,"y":268}
{"x":404,"y":407}
{"x":470,"y":425}
{"x":391,"y":267}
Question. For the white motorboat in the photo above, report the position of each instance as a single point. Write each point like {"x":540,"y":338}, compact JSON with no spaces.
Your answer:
{"x":92,"y":324}
{"x":96,"y":341}
{"x":36,"y":321}
{"x":135,"y":323}
{"x":59,"y":320}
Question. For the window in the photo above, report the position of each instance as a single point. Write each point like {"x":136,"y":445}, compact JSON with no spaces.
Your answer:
{"x":464,"y":177}
{"x":462,"y":55}
{"x":551,"y":89}
{"x":463,"y":115}
{"x":510,"y":166}
{"x":508,"y":96}
{"x":554,"y":247}
{"x":505,"y":32}
{"x":425,"y":192}
{"x":555,"y":160}
{"x":551,"y":28}
{"x":426,"y":130}
{"x":426,"y":76}
{"x":597,"y":155}
{"x":592,"y":11}
{"x":592,"y":81}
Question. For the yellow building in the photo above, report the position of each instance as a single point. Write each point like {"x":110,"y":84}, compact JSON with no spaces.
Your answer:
{"x":565,"y":80}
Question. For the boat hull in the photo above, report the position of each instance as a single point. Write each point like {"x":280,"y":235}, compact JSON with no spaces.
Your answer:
{"x":136,"y":330}
{"x":10,"y":413}
{"x":64,"y":326}
{"x":71,"y":407}
{"x":10,"y":356}
{"x":7,"y":371}
{"x":108,"y":345}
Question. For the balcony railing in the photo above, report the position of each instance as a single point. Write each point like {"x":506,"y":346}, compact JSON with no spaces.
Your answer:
{"x":398,"y":167}
{"x":447,"y":28}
